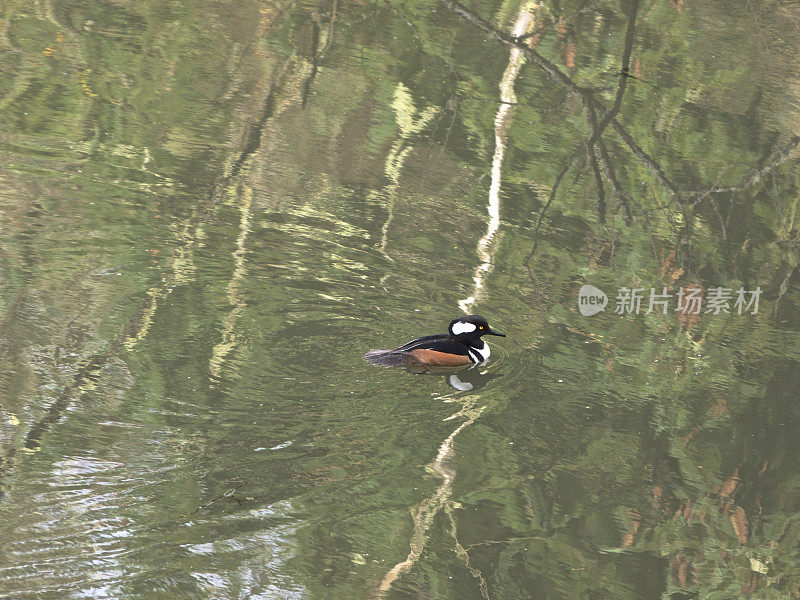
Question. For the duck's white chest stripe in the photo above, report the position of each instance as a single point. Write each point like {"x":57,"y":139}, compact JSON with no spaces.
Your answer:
{"x":479,"y":355}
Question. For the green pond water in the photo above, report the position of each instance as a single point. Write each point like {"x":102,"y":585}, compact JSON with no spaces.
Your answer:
{"x":209,"y":211}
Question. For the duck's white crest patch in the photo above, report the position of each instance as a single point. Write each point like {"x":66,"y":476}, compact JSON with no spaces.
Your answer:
{"x":459,"y":328}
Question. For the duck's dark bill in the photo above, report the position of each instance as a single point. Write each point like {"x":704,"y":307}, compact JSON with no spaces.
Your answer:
{"x":493,"y":332}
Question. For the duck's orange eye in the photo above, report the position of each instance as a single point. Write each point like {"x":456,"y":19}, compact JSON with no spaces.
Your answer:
{"x":481,"y":327}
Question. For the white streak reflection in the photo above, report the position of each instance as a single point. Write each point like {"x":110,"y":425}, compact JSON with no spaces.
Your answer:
{"x":488,"y":243}
{"x":427,"y":510}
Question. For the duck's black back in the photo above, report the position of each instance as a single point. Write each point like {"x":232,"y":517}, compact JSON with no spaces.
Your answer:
{"x":440,"y":343}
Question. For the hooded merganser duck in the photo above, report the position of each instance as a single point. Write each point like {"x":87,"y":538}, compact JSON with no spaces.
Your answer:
{"x":460,"y":347}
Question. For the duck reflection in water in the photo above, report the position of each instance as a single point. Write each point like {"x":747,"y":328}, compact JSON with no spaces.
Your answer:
{"x":462,"y":379}
{"x":469,"y":379}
